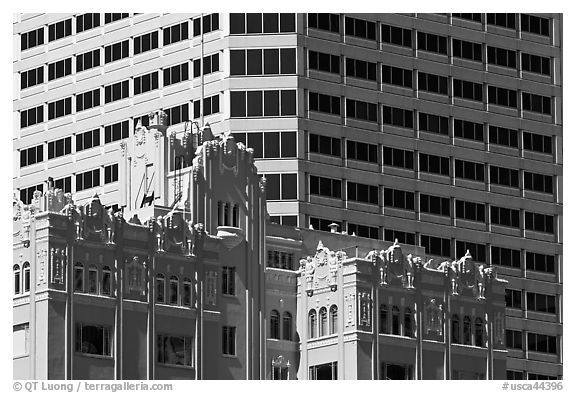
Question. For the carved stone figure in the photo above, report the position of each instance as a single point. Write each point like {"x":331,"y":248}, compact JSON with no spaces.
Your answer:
{"x":433,"y":318}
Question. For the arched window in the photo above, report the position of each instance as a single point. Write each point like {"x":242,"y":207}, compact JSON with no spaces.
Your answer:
{"x":106,"y":281}
{"x":287,"y":326}
{"x":312,"y":324}
{"x":173,"y":290}
{"x":467,"y":327}
{"x":93,"y":279}
{"x":187,"y":292}
{"x":455,"y":329}
{"x":78,"y":277}
{"x":323,"y":322}
{"x":26,"y":272}
{"x":384,"y":319}
{"x":408,"y":322}
{"x":17,"y":279}
{"x":479,"y":332}
{"x":395,"y":320}
{"x":333,"y":319}
{"x":160,"y":288}
{"x":275,"y":324}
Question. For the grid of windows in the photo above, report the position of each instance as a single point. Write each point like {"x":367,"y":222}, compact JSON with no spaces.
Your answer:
{"x":229,"y":340}
{"x":60,"y":147}
{"x":535,"y":24}
{"x":513,"y":298}
{"x":322,"y":224}
{"x":469,"y":170}
{"x":177,"y":114}
{"x":26,"y":194}
{"x":503,"y":20}
{"x":65,"y":184}
{"x":228,"y":280}
{"x":59,"y":69}
{"x":504,"y":216}
{"x":174,"y":74}
{"x":210,"y":64}
{"x":396,"y":76}
{"x":514,"y":339}
{"x":541,"y":343}
{"x":432,"y":43}
{"x":540,"y":302}
{"x":537,"y":142}
{"x":113,"y":17}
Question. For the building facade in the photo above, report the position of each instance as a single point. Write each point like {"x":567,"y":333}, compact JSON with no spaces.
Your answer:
{"x":441,"y":130}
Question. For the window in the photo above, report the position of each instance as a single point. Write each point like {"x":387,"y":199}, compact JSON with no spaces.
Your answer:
{"x":455,"y":325}
{"x":505,"y":256}
{"x":504,"y":216}
{"x":503,"y":136}
{"x":503,"y":20}
{"x":536,"y":103}
{"x":31,"y":39}
{"x":396,"y":76}
{"x":208,"y":23}
{"x":31,"y":155}
{"x":145,"y":42}
{"x":397,"y":371}
{"x":501,"y":96}
{"x":87,"y":140}
{"x":27,"y":194}
{"x":275,"y":325}
{"x":397,"y":117}
{"x":434,"y":205}
{"x":327,"y":22}
{"x":502,"y":57}
{"x":92,"y":280}
{"x":324,"y":145}
{"x":281,"y":186}
{"x":391,"y":235}
{"x":539,"y":222}
{"x":535,"y":24}
{"x":252,"y":23}
{"x":175,"y":33}
{"x":536,"y":64}
{"x":263,"y":61}
{"x":468,"y":130}
{"x":160,"y":288}
{"x":31,"y":77}
{"x":110,"y":173}
{"x":269,"y":144}
{"x":323,"y":314}
{"x":432,"y":43}
{"x":145,"y":83}
{"x":116,"y":91}
{"x":361,"y":110}
{"x":479,"y":332}
{"x":435,"y":245}
{"x":229,"y":280}
{"x":17,"y":279}
{"x":116,"y":51}
{"x":29,"y":117}
{"x":21,"y":340}
{"x":325,"y":186}
{"x":59,"y":30}
{"x":26,"y":273}
{"x":472,"y":17}
{"x":467,"y":90}
{"x":541,"y":343}
{"x":360,"y":28}
{"x":263,"y":103}
{"x":65,"y":184}
{"x":88,"y":179}
{"x":106,"y":281}
{"x":312,"y":324}
{"x":287,"y":326}
{"x":291,"y":221}
{"x":94,"y":339}
{"x":467,"y":331}
{"x":537,"y":142}
{"x":361,"y":151}
{"x":532,"y":376}
{"x":59,"y":108}
{"x":396,"y":35}
{"x":324,"y":103}
{"x":86,"y":22}
{"x":175,"y":350}
{"x":540,"y":302}
{"x":112,"y":17}
{"x":87,"y":100}
{"x":177,"y":114}
{"x":323,"y":62}
{"x":434,"y":164}
{"x":398,"y":158}
{"x":210,"y":64}
{"x":408,"y":331}
{"x":187,"y":292}
{"x":383,"y":328}
{"x":513,"y":298}
{"x":173,"y":291}
{"x":87,"y":60}
{"x":540,"y":262}
{"x":78,"y":277}
{"x":469,"y":170}
{"x":116,"y":131}
{"x":60,"y":147}
{"x":538,"y":182}
{"x":279,"y":372}
{"x":362,"y":193}
{"x":432,"y":83}
{"x":467,"y":50}
{"x":327,"y":371}
{"x":512,"y":375}
{"x":398,"y":199}
{"x":323,"y":224}
{"x":174,"y":74}
{"x":395,"y":320}
{"x":504,"y":176}
{"x":514,"y":339}
{"x":363,"y":231}
{"x":478,"y":251}
{"x":360,"y":69}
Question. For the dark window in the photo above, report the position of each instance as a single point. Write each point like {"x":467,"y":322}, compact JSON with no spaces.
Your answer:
{"x":116,"y":91}
{"x":535,"y":24}
{"x":31,"y":77}
{"x":228,"y":280}
{"x":65,"y":184}
{"x":397,"y":117}
{"x":468,"y":90}
{"x":360,"y":69}
{"x":281,"y":186}
{"x":115,"y":132}
{"x":398,"y":157}
{"x":251,"y":103}
{"x":539,"y":222}
{"x":160,"y":288}
{"x":145,"y":42}
{"x":328,"y":22}
{"x":543,"y":377}
{"x":324,"y":145}
{"x":434,"y":205}
{"x":88,"y":60}
{"x":396,"y":35}
{"x":362,"y":193}
{"x":504,"y":176}
{"x":503,"y":20}
{"x":325,"y":186}
{"x":541,"y":343}
{"x":174,"y":74}
{"x":237,"y":23}
{"x":59,"y":108}
{"x":323,"y":224}
{"x":327,"y":371}
{"x":514,"y":339}
{"x":146,"y":83}
{"x":87,"y":140}
{"x":31,"y":155}
{"x":110,"y":173}
{"x":360,"y":28}
{"x":229,"y":340}
{"x":540,"y":262}
{"x":363,"y":231}
{"x":505,"y":217}
{"x":275,"y":325}
{"x":455,"y":325}
{"x":60,"y":147}
{"x":208,"y":23}
{"x":175,"y":33}
{"x":116,"y":51}
{"x":175,"y":350}
{"x":537,"y":142}
{"x":432,"y":83}
{"x":361,"y":151}
{"x":536,"y":64}
{"x":472,"y":17}
{"x":513,"y":298}
{"x":478,"y":251}
{"x":432,"y":43}
{"x":502,"y":57}
{"x":467,"y":50}
{"x":503,"y":136}
{"x":59,"y":30}
{"x":513,"y":375}
{"x":210,"y":106}
{"x":468,"y":130}
{"x":469,"y":170}
{"x":540,"y":302}
{"x":113,"y":17}
{"x":94,"y":340}
{"x":396,"y":76}
{"x":29,"y":117}
{"x":287,"y":61}
{"x":31,"y":39}
{"x":398,"y":199}
{"x":391,"y":235}
{"x":536,"y":103}
{"x":87,"y":100}
{"x":252,"y":23}
{"x":538,"y":182}
{"x":59,"y":69}
{"x":435,"y":245}
{"x":177,"y":114}
{"x":88,"y":179}
{"x":434,"y":164}
{"x":26,"y":194}
{"x":210,"y":64}
{"x":505,"y":256}
{"x":86,"y":22}
{"x":324,"y":62}
{"x":324,"y":103}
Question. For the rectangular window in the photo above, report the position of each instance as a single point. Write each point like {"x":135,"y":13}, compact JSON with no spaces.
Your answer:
{"x":514,"y":339}
{"x":327,"y":22}
{"x":94,"y":339}
{"x":210,"y":64}
{"x":435,"y":205}
{"x":281,"y":186}
{"x":59,"y":30}
{"x":398,"y":157}
{"x":175,"y":350}
{"x":538,"y":182}
{"x":513,"y":298}
{"x":327,"y":371}
{"x":432,"y":83}
{"x":26,"y":194}
{"x":398,"y":199}
{"x":469,"y":170}
{"x":228,"y":280}
{"x":468,"y":130}
{"x":29,"y":117}
{"x":87,"y":100}
{"x":478,"y":251}
{"x":88,"y":60}
{"x":324,"y":145}
{"x":110,"y":173}
{"x":360,"y":69}
{"x":269,"y":144}
{"x":543,"y":377}
{"x":536,"y":103}
{"x":210,"y":106}
{"x":540,"y":302}
{"x":116,"y":51}
{"x":505,"y":256}
{"x":21,"y":340}
{"x":116,"y":92}
{"x":513,"y":375}
{"x":113,"y":17}
{"x":208,"y":23}
{"x":540,"y":262}
{"x":502,"y":57}
{"x":391,"y":235}
{"x":364,"y":193}
{"x":263,"y":61}
{"x":539,"y":222}
{"x":324,"y":103}
{"x":322,"y":224}
{"x":472,"y":17}
{"x":252,"y":23}
{"x":88,"y":179}
{"x":503,"y":20}
{"x":535,"y":24}
{"x":467,"y":50}
{"x":537,"y":142}
{"x":31,"y":39}
{"x":65,"y":184}
{"x":229,"y":340}
{"x":503,"y":136}
{"x":145,"y":42}
{"x":541,"y":343}
{"x":175,"y":33}
{"x":31,"y":77}
{"x":396,"y":76}
{"x":363,"y":231}
{"x":115,"y":132}
{"x":536,"y":64}
{"x":432,"y":43}
{"x":505,"y":217}
{"x":177,"y":114}
{"x":434,"y":164}
{"x":325,"y":186}
{"x":361,"y":151}
{"x":86,"y":22}
{"x":467,"y":90}
{"x":360,"y":28}
{"x":504,"y":176}
{"x":324,"y":62}
{"x":280,"y":260}
{"x":396,"y":36}
{"x":262,"y":103}
{"x":60,"y":147}
{"x":31,"y":155}
{"x":435,"y":245}
{"x":59,"y":108}
{"x":145,"y":83}
{"x":59,"y":69}
{"x":397,"y":117}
